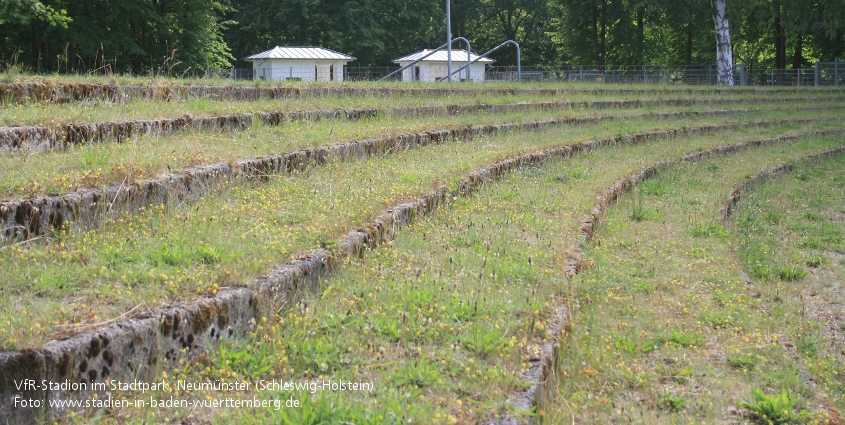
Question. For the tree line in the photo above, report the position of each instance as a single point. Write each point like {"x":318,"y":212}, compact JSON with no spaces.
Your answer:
{"x":176,"y":37}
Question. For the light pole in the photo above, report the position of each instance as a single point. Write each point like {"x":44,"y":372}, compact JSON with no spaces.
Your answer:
{"x":449,"y":39}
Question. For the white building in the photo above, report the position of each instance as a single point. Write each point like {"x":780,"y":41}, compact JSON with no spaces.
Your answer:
{"x":434,"y":66}
{"x":299,"y":64}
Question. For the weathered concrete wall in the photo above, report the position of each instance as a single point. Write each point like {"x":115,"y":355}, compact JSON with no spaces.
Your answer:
{"x":115,"y":93}
{"x":129,"y":350}
{"x":133,"y":348}
{"x":37,"y":138}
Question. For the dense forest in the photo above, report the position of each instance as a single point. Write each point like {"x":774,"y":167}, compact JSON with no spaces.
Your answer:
{"x":190,"y":36}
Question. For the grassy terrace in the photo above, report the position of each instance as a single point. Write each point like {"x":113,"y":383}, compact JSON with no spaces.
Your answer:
{"x":181,"y":251}
{"x":439,"y":319}
{"x":140,"y":157}
{"x":14,"y":77}
{"x":48,"y":113}
{"x":675,"y":318}
{"x":789,"y":235}
{"x":670,"y":330}
{"x":51,"y":114}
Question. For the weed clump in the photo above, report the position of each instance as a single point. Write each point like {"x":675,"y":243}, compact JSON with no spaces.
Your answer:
{"x":673,"y":402}
{"x":773,"y":409}
{"x":791,"y":273}
{"x":639,"y":210}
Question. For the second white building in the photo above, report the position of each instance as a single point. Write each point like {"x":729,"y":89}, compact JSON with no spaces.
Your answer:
{"x":434,"y":66}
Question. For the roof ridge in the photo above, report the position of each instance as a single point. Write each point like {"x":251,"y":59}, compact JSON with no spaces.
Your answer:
{"x":416,"y":55}
{"x":315,"y":53}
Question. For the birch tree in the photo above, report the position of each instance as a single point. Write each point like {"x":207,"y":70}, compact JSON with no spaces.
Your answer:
{"x":724,"y":50}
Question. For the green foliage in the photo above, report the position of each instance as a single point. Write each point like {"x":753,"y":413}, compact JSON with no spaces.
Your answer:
{"x":757,"y":260}
{"x":178,"y":254}
{"x":363,"y":28}
{"x":484,"y":340}
{"x":807,"y":347}
{"x":318,"y":355}
{"x":653,"y":188}
{"x":811,"y":242}
{"x":328,"y":408}
{"x":177,"y":36}
{"x":814,"y":261}
{"x":773,"y":409}
{"x":717,"y":319}
{"x":639,"y":210}
{"x":706,"y":230}
{"x":791,"y":273}
{"x":461,"y":310}
{"x":246,"y":362}
{"x":621,"y":343}
{"x":673,"y":402}
{"x":684,"y":339}
{"x":410,"y":178}
{"x":772,"y":216}
{"x":679,"y":375}
{"x":141,"y":36}
{"x":95,"y":157}
{"x":420,"y":373}
{"x":632,"y":348}
{"x":322,"y":408}
{"x":599,"y":33}
{"x":24,"y":11}
{"x":743,"y":362}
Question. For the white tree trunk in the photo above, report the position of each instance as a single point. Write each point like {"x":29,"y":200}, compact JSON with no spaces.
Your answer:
{"x":724,"y":51}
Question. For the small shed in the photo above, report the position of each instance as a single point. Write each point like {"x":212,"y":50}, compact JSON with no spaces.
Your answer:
{"x":299,"y":64}
{"x":435,"y":66}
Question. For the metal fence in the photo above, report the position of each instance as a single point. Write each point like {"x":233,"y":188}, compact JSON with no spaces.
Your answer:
{"x":823,"y":74}
{"x":367,"y":73}
{"x":830,"y":73}
{"x":781,"y":77}
{"x":350,"y":73}
{"x":628,"y":74}
{"x":230,"y":73}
